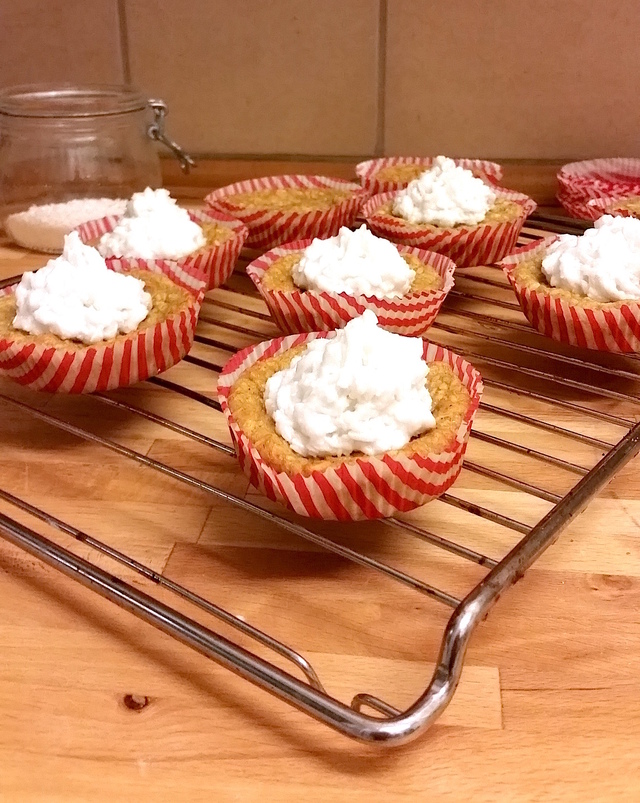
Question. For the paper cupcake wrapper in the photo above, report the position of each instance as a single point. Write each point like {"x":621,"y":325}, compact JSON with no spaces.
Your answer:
{"x":367,"y":171}
{"x":615,"y":329}
{"x":313,"y":310}
{"x":607,"y":206}
{"x":577,"y":207}
{"x":483,"y":244}
{"x":215,"y":262}
{"x":268,"y":227}
{"x":105,"y":366}
{"x":597,"y":178}
{"x":370,"y":488}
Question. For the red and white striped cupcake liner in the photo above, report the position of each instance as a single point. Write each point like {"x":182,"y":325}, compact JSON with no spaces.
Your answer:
{"x":370,"y":487}
{"x":105,"y":366}
{"x":271,"y":227}
{"x":579,"y":182}
{"x":314,"y":310}
{"x":215,"y":262}
{"x":367,"y":171}
{"x":483,"y":244}
{"x":615,"y":328}
{"x":608,"y":206}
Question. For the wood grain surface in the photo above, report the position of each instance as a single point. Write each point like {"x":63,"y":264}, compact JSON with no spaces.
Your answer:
{"x":96,"y":705}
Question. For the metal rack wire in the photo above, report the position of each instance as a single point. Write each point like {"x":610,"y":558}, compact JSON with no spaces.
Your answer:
{"x":482,"y":322}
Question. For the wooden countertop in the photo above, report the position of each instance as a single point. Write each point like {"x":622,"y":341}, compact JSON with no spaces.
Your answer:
{"x":95,"y":705}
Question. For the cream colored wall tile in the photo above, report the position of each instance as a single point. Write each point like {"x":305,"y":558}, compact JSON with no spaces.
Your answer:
{"x":285,"y":76}
{"x":513,"y":78}
{"x":59,"y":40}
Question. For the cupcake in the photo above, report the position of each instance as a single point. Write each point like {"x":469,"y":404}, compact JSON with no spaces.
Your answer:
{"x":354,"y":424}
{"x":451,"y":211}
{"x":154,"y":229}
{"x":584,"y":291}
{"x":280,"y":209}
{"x":392,"y":173}
{"x":622,"y":206}
{"x":317,"y":284}
{"x":76,"y":326}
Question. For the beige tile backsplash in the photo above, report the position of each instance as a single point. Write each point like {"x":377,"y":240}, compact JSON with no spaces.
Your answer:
{"x":59,"y":41}
{"x":517,"y":79}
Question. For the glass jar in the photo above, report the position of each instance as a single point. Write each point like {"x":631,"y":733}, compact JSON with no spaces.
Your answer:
{"x":64,"y":142}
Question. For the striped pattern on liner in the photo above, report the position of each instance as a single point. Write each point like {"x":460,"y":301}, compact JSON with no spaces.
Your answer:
{"x":579,"y":182}
{"x":615,"y":328}
{"x":483,"y":244}
{"x":367,"y":171}
{"x":314,"y":310}
{"x":606,"y":206}
{"x":271,"y":227}
{"x":215,"y":262}
{"x":370,"y":488}
{"x":108,"y":365}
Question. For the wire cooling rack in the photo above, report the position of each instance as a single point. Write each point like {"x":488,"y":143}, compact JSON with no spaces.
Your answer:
{"x":571,"y":419}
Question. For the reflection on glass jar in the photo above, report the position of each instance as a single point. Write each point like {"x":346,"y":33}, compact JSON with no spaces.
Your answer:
{"x":59,"y":143}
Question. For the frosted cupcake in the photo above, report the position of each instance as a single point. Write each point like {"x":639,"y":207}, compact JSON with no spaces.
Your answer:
{"x":583,"y":290}
{"x":154,"y":228}
{"x":354,"y":424}
{"x":320,"y":284}
{"x":449,"y":210}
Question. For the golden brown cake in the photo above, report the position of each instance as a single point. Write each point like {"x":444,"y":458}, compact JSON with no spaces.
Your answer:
{"x":630,"y":204}
{"x":167,"y":299}
{"x":278,"y":276}
{"x":529,"y":274}
{"x":215,"y":234}
{"x":503,"y":210}
{"x":290,"y":199}
{"x":246,"y":403}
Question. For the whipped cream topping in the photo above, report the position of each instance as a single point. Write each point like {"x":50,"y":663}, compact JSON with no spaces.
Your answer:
{"x":76,"y":297}
{"x":42,"y":227}
{"x":445,"y":195}
{"x":602,"y":264}
{"x":361,"y":390}
{"x":355,"y":262}
{"x":153,"y":227}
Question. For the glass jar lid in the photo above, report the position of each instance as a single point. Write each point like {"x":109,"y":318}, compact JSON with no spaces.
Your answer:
{"x":69,"y":101}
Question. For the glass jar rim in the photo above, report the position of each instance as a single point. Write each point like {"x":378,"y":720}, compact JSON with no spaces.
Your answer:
{"x":70,"y":100}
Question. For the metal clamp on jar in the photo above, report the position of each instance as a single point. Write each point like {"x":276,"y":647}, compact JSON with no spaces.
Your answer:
{"x":61,"y":143}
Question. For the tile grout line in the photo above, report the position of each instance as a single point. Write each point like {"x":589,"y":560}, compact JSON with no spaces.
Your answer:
{"x":124,"y":41}
{"x":382,"y":78}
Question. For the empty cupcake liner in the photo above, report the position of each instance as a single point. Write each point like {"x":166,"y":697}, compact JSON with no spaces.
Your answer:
{"x":615,"y":329}
{"x":371,"y":487}
{"x":269,"y":227}
{"x":215,"y":262}
{"x":314,"y":310}
{"x":467,"y":246}
{"x":577,"y":206}
{"x":105,"y":366}
{"x":367,"y":171}
{"x":579,"y":182}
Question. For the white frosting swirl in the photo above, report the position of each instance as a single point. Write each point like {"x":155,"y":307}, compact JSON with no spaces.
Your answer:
{"x":445,"y":195}
{"x":152,"y":227}
{"x":360,"y":390}
{"x":76,"y":297}
{"x":355,"y":262}
{"x":602,"y":264}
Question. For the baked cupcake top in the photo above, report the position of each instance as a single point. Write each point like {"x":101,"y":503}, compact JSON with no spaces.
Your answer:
{"x":445,"y":195}
{"x":603,"y":264}
{"x":76,"y":297}
{"x":153,"y":227}
{"x":362,"y":390}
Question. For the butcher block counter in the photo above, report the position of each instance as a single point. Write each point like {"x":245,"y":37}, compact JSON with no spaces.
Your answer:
{"x":98,"y":705}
